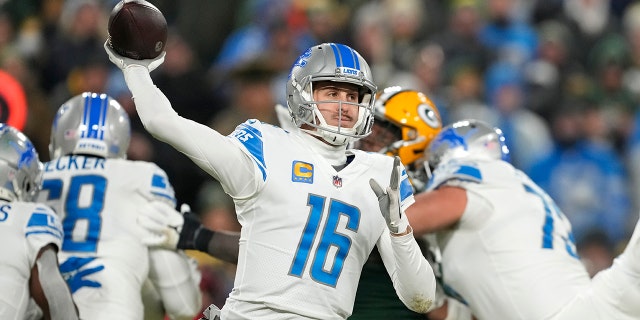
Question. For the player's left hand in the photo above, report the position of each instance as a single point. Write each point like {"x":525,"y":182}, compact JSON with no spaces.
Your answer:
{"x":160,"y":225}
{"x":389,"y":201}
{"x":124,"y":62}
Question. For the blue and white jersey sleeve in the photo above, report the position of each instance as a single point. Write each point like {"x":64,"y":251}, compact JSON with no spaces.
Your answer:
{"x":159,"y":187}
{"x":456,"y":170}
{"x":216,"y":154}
{"x":25,"y":228}
{"x":43,"y":228}
{"x":249,"y":136}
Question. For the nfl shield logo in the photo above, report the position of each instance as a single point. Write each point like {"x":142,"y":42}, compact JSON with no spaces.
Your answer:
{"x":337,"y":181}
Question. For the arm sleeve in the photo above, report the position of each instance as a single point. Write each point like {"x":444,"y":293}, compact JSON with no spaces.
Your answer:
{"x":224,"y":245}
{"x":177,"y":280}
{"x":220,"y":244}
{"x":412,"y":276}
{"x":214,"y":153}
{"x":44,"y":227}
{"x":48,"y":288}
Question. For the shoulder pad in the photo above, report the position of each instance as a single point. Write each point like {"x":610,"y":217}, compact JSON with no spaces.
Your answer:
{"x":250,"y":136}
{"x":161,"y":187}
{"x":455,"y":170}
{"x":43,"y":227}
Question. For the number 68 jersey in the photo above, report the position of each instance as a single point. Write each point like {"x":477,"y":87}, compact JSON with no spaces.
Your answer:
{"x":102,"y":258}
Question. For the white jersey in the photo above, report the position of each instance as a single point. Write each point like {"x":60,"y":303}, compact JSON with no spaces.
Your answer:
{"x":25,"y":228}
{"x":98,"y":200}
{"x":512,"y":255}
{"x":307,"y":229}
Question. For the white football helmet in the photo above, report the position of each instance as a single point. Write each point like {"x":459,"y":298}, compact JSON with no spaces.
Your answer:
{"x":469,"y":139}
{"x":330,"y":62}
{"x":92,"y":124}
{"x":20,"y":167}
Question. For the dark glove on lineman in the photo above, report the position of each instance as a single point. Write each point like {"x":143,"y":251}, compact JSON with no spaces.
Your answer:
{"x":190,"y":230}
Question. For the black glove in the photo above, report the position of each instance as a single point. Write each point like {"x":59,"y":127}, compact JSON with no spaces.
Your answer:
{"x":190,"y":230}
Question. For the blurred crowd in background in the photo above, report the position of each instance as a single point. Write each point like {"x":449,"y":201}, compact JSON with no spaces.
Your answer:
{"x":561,"y":78}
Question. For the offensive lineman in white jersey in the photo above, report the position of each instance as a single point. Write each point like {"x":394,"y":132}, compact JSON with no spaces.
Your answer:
{"x":31,"y":235}
{"x":309,"y":217}
{"x":507,"y":249}
{"x":99,"y":194}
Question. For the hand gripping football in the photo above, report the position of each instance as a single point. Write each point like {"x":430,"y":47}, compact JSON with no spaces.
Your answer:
{"x":137,"y":30}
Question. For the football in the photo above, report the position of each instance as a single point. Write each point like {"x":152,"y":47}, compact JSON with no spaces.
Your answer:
{"x":137,"y":30}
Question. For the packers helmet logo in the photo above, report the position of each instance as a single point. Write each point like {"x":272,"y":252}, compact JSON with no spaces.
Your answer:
{"x":429,"y":116}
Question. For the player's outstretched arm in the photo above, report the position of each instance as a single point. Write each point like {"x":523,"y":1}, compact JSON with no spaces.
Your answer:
{"x":438,"y":209}
{"x":411,"y":274}
{"x":214,"y":153}
{"x":48,"y":289}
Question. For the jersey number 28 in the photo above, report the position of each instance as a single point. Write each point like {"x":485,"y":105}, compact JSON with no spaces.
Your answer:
{"x":82,"y":221}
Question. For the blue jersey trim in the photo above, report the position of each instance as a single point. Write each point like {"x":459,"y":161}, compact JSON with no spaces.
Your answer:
{"x":252,"y":140}
{"x":470,"y":172}
{"x":75,"y":272}
{"x":406,"y":189}
{"x":159,"y":181}
{"x":40,"y":219}
{"x":43,"y":223}
{"x":452,"y":171}
{"x":164,"y":195}
{"x":50,"y":232}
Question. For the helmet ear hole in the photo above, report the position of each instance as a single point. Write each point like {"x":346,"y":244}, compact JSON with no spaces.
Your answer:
{"x":27,"y":190}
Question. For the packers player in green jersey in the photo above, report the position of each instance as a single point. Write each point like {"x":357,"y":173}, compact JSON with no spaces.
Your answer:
{"x":405,"y":123}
